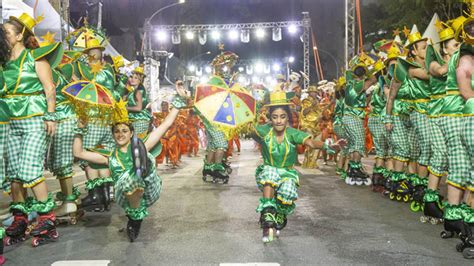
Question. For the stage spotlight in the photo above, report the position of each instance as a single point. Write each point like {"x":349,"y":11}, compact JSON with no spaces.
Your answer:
{"x":276,"y":67}
{"x":241,"y":69}
{"x":208,"y":69}
{"x":233,"y":35}
{"x":189,"y":35}
{"x":215,"y":35}
{"x":260,"y":33}
{"x":162,"y":36}
{"x":191,"y":68}
{"x":204,"y":79}
{"x":291,"y":59}
{"x":292,"y":29}
{"x":259,"y":67}
{"x":255,"y":79}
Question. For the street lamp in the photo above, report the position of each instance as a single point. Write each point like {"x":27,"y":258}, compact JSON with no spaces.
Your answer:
{"x":316,"y":49}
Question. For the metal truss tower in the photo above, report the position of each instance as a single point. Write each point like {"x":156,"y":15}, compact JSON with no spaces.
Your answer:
{"x":350,"y":36}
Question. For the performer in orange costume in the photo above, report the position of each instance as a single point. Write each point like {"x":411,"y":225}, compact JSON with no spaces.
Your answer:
{"x":169,"y":142}
{"x":192,"y":124}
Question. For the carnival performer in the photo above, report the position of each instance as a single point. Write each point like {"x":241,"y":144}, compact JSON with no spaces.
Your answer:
{"x":465,"y":80}
{"x":170,"y":150}
{"x":276,"y":177}
{"x":458,"y":216}
{"x":310,"y":112}
{"x":135,"y":191}
{"x":441,"y":108}
{"x":376,"y":126}
{"x":4,"y":126}
{"x":192,"y":124}
{"x":30,"y":97}
{"x":357,"y":81}
{"x":341,"y":166}
{"x":100,"y":137}
{"x":137,"y":100}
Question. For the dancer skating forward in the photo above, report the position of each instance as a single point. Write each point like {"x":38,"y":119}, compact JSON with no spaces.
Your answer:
{"x":276,"y":177}
{"x":137,"y":185}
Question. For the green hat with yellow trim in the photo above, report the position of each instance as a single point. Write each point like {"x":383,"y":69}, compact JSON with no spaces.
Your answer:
{"x":93,"y":43}
{"x":415,"y":38}
{"x":278,"y":97}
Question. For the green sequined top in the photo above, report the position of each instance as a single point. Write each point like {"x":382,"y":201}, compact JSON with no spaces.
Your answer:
{"x":437,"y":84}
{"x":280,"y":155}
{"x":24,"y":93}
{"x":419,"y":92}
{"x":338,"y":111}
{"x":144,"y":114}
{"x":355,"y":98}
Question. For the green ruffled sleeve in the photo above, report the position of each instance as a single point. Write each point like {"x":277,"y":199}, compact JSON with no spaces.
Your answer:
{"x":53,"y":53}
{"x":263,"y":130}
{"x":297,"y":136}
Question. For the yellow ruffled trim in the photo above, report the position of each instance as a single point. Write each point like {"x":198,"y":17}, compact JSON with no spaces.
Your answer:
{"x":263,"y":183}
{"x":400,"y":159}
{"x":34,"y":183}
{"x":5,"y":123}
{"x":471,"y":189}
{"x":424,"y":100}
{"x":455,"y":185}
{"x":436,"y":173}
{"x":285,"y":202}
{"x":66,"y":176}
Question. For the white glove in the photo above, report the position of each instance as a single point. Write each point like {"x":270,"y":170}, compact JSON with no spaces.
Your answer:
{"x":371,"y":89}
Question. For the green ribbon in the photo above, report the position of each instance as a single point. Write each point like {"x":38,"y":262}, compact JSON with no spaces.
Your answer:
{"x":284,"y":208}
{"x":93,"y":183}
{"x":19,"y":206}
{"x":42,"y":206}
{"x":49,"y":116}
{"x":266,"y":202}
{"x":355,"y":165}
{"x":80,"y":131}
{"x":453,"y":212}
{"x":179,"y":102}
{"x":75,"y":194}
{"x":378,"y":170}
{"x":467,"y":213}
{"x":136,"y":213}
{"x":416,"y":180}
{"x":431,"y":196}
{"x":398,"y":176}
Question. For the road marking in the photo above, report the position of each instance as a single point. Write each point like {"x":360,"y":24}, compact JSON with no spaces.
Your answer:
{"x":251,"y":264}
{"x":81,"y":263}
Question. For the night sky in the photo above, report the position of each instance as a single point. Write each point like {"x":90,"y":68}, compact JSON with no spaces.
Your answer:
{"x":123,"y":20}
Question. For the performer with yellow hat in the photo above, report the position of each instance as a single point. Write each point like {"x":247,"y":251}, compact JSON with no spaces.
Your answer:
{"x":357,"y":81}
{"x":276,"y":177}
{"x":440,"y":111}
{"x":99,"y":179}
{"x":137,"y":186}
{"x":137,"y":103}
{"x":341,"y":167}
{"x":30,"y":97}
{"x":310,"y":112}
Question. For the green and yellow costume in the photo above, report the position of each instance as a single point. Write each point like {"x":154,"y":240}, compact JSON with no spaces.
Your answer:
{"x":141,"y":119}
{"x":4,"y":126}
{"x":26,"y":101}
{"x":277,"y":168}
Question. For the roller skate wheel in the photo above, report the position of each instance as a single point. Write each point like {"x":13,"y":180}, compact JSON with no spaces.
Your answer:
{"x":391,"y":196}
{"x":406,"y":198}
{"x":423,"y":219}
{"x":351,"y":181}
{"x":277,"y":233}
{"x":399,"y":197}
{"x":73,"y":220}
{"x":204,"y":178}
{"x":35,"y":242}
{"x":415,"y":207}
{"x":228,"y":171}
{"x":468,"y":253}
{"x":460,"y":247}
{"x":446,"y":234}
{"x":347,"y":180}
{"x":225,"y":181}
{"x":368,"y":182}
{"x":434,"y":221}
{"x":359,"y":182}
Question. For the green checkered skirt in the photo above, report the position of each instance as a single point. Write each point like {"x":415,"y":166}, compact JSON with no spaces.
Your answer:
{"x":341,"y":134}
{"x":422,"y":130}
{"x":459,"y":163}
{"x":380,"y":137}
{"x":26,"y":150}
{"x":98,"y":135}
{"x":141,"y":127}
{"x":4,"y":127}
{"x":284,"y":181}
{"x":60,"y":157}
{"x":215,"y":139}
{"x":439,"y":157}
{"x":129,"y":182}
{"x":468,"y":141}
{"x":354,"y":128}
{"x":403,"y":140}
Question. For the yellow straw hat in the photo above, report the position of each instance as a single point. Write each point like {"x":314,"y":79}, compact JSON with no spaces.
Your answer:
{"x":278,"y":97}
{"x":27,"y":21}
{"x":414,"y":38}
{"x":139,"y":70}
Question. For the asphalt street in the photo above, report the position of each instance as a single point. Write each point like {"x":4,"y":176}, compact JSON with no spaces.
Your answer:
{"x":197,"y":223}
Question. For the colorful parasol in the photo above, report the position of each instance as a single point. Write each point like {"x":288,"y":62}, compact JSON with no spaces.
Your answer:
{"x":77,"y":39}
{"x":228,"y":108}
{"x":89,"y":97}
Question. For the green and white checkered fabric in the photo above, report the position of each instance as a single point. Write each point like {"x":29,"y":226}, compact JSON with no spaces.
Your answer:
{"x":26,"y":150}
{"x":141,"y":127}
{"x":60,"y":158}
{"x":468,"y":140}
{"x":459,"y":163}
{"x":422,"y":130}
{"x":3,"y":155}
{"x":215,"y":139}
{"x":127,"y":184}
{"x":341,"y":134}
{"x":399,"y":138}
{"x":379,"y":135}
{"x":284,"y":181}
{"x":439,"y":157}
{"x":98,"y":135}
{"x":355,"y":132}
